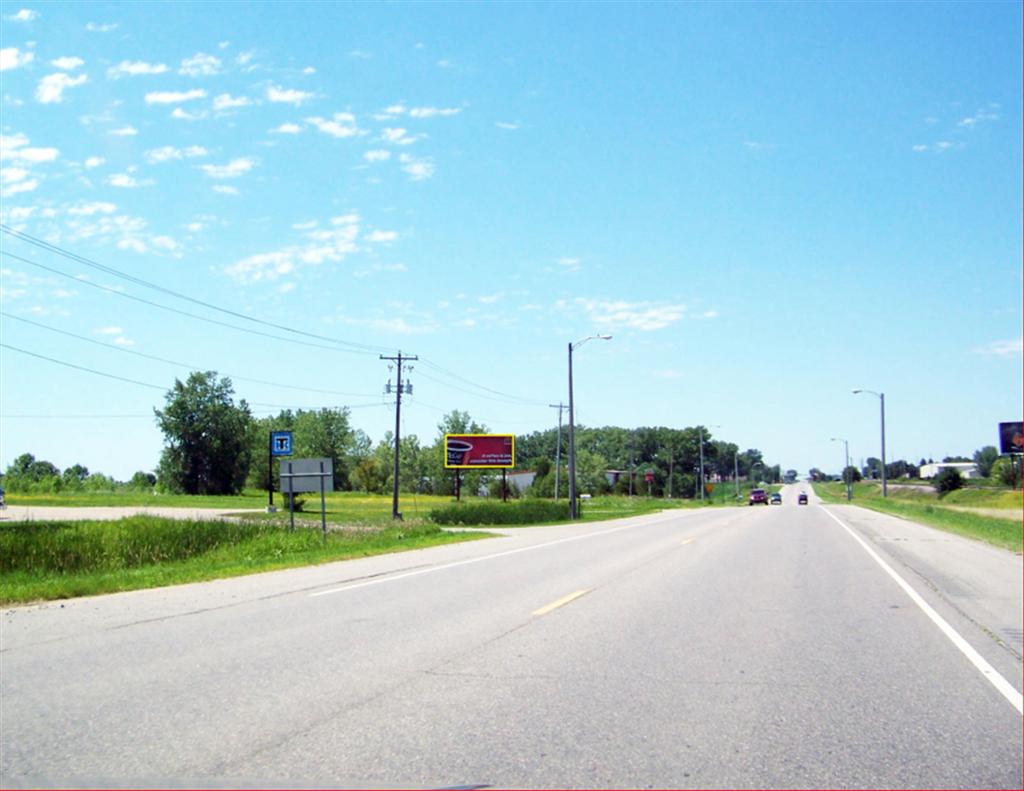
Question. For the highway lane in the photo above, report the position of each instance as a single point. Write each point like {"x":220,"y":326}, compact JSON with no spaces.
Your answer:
{"x":746,"y":647}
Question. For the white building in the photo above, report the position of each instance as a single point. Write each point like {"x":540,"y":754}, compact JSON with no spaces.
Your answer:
{"x":967,"y":469}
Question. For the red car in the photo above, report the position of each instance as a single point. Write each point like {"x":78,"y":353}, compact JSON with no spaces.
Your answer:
{"x":758,"y":496}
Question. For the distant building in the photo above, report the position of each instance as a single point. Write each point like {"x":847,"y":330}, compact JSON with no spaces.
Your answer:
{"x":967,"y":469}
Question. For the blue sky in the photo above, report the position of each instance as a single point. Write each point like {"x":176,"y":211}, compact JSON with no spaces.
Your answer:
{"x":766,"y":205}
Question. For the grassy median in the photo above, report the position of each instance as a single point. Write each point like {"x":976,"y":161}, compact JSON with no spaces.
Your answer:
{"x":55,"y":560}
{"x":954,"y":514}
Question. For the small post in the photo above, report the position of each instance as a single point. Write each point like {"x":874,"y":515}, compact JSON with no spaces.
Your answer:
{"x":323,"y":506}
{"x":270,"y":470}
{"x":458,"y":486}
{"x":504,"y":487}
{"x":291,"y":499}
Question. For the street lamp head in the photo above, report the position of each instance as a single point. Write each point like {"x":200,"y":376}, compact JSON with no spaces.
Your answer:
{"x":605,"y":337}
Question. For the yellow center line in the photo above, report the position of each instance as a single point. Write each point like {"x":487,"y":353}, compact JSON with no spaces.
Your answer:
{"x":561,"y":602}
{"x":687,"y":541}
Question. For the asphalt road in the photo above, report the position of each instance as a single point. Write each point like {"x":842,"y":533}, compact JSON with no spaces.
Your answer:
{"x":745,"y":647}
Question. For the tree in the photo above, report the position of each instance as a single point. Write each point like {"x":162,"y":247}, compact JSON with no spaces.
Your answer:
{"x":947,"y":481}
{"x":1006,"y":470}
{"x":851,"y":475}
{"x":984,"y":458}
{"x":205,"y":437}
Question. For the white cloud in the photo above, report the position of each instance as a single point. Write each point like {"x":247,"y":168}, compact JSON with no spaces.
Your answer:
{"x":489,"y":299}
{"x":707,"y":314}
{"x":398,"y":136}
{"x":51,"y":88}
{"x":89,"y":209}
{"x":377,"y":156}
{"x":12,"y":58}
{"x":109,"y":331}
{"x":11,"y":175}
{"x":24,"y":15}
{"x":244,"y":58}
{"x":1009,"y":348}
{"x":511,"y":126}
{"x":321,"y":245}
{"x":233,"y":169}
{"x":643,"y":316}
{"x":94,"y":162}
{"x":124,"y":131}
{"x":20,"y":186}
{"x":134,"y":69}
{"x":381,"y":236}
{"x":182,"y":115}
{"x":360,"y":54}
{"x":342,"y":125}
{"x":67,"y":63}
{"x":226,"y":102}
{"x":167,"y":153}
{"x":287,"y":96}
{"x":305,"y":226}
{"x":433,"y":112}
{"x":264,"y":266}
{"x":570,"y":264}
{"x":200,"y":65}
{"x":122,"y":341}
{"x":174,"y":97}
{"x":126,"y":181}
{"x":224,"y":189}
{"x":920,"y":148}
{"x":15,"y":147}
{"x":417,"y":169}
{"x":754,"y":145}
{"x":94,"y":27}
{"x":309,"y":70}
{"x":286,"y":129}
{"x":980,"y":117}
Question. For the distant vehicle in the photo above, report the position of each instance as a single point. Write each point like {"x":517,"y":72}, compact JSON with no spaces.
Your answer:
{"x":758,"y":496}
{"x":802,"y":499}
{"x":776,"y":499}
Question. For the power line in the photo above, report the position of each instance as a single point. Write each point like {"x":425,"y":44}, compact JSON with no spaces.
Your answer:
{"x":169,"y":309}
{"x":176,"y":362}
{"x":165,"y":389}
{"x":364,"y":348}
{"x":337,"y":344}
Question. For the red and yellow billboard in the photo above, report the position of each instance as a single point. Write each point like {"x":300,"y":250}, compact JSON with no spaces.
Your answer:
{"x":476,"y":451}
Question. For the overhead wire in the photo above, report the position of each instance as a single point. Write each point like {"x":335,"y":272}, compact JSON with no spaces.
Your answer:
{"x":177,"y":362}
{"x":40,"y":243}
{"x":336,"y":344}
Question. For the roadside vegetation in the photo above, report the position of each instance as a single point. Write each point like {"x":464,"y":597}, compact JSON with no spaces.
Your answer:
{"x":54,"y":560}
{"x":971,"y":512}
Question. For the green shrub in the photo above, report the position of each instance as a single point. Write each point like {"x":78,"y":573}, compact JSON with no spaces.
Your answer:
{"x":947,"y":481}
{"x":524,"y":512}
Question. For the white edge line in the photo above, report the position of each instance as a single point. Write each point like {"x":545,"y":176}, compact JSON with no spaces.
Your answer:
{"x":1005,"y":688}
{"x":467,"y":562}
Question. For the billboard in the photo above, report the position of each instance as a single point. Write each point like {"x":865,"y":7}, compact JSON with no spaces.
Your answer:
{"x":476,"y":451}
{"x":1011,"y":437}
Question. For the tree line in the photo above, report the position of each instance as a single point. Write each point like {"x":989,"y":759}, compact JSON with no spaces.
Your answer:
{"x":213,"y":445}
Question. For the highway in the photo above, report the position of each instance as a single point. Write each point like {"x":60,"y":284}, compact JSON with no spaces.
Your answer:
{"x":770,"y":646}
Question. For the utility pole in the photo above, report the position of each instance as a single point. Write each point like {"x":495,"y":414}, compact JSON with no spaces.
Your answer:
{"x":700,"y":430}
{"x":558,"y":445}
{"x":671,"y":458}
{"x":632,"y":457}
{"x":736,"y":471}
{"x":395,"y":513}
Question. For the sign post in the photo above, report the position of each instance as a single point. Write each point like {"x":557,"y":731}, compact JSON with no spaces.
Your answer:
{"x":280,"y":445}
{"x":308,"y":475}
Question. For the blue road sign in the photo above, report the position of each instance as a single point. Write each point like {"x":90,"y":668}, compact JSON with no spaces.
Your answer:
{"x":280,"y":443}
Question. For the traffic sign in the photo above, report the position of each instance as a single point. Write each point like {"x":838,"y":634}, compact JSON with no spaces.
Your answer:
{"x":280,"y":443}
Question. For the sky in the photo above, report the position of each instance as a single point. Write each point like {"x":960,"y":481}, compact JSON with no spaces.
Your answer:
{"x":765,"y":205}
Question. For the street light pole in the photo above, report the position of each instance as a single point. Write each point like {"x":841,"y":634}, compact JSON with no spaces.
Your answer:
{"x":700,"y":431}
{"x":573,"y":512}
{"x":881,"y":398}
{"x":846,"y":478}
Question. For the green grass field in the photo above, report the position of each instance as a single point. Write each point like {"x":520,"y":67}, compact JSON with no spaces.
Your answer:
{"x":928,"y":509}
{"x":54,"y":560}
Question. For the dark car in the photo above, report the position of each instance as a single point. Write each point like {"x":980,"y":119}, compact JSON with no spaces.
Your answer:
{"x":802,"y":499}
{"x":776,"y":499}
{"x":758,"y":496}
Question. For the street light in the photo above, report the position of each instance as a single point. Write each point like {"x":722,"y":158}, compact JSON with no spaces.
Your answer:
{"x":849,"y":483}
{"x":573,"y":513}
{"x":700,"y":431}
{"x":881,"y":398}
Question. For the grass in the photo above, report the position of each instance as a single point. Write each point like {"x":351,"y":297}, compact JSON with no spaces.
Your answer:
{"x":53,"y":560}
{"x":928,"y":509}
